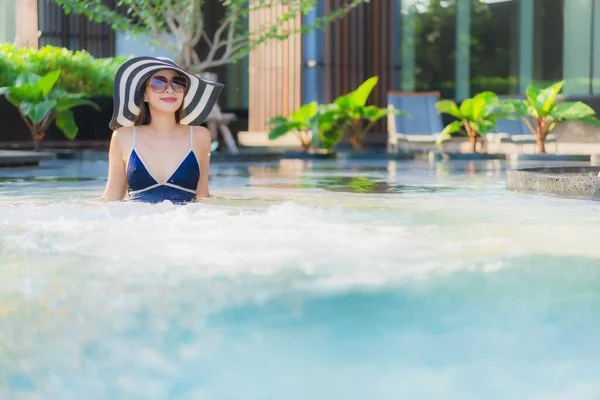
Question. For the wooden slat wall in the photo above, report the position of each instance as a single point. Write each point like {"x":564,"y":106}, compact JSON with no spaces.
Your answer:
{"x":27,"y":23}
{"x":74,"y":32}
{"x":275,"y":70}
{"x":357,"y":47}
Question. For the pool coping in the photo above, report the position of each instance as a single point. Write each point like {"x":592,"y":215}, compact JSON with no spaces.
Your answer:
{"x":572,"y":182}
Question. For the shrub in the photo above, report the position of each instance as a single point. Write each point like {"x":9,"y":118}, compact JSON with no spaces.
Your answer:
{"x":80,"y":71}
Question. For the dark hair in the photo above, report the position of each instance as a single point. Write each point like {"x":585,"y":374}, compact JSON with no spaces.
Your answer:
{"x":144,"y":117}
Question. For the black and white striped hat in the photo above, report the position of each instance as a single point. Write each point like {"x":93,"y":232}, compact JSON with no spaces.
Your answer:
{"x":200,"y":96}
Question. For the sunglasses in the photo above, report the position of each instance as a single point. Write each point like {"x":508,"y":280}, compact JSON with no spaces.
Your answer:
{"x":159,"y":84}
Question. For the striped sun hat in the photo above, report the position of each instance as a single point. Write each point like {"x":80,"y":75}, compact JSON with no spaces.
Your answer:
{"x":200,"y":96}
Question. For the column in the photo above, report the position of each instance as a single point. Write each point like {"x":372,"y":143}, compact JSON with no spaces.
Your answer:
{"x":463,"y":49}
{"x":408,"y":50}
{"x":275,"y":72}
{"x":596,"y":49}
{"x":577,"y":47}
{"x":525,"y":44}
{"x":312,"y":59}
{"x":27,"y":23}
{"x":8,"y":29}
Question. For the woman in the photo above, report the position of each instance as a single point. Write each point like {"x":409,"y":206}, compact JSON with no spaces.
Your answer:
{"x":158,"y":152}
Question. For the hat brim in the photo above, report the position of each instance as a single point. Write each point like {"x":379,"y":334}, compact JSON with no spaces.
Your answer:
{"x":199,"y":100}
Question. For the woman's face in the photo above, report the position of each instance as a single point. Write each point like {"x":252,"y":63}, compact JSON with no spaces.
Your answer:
{"x":165,"y":91}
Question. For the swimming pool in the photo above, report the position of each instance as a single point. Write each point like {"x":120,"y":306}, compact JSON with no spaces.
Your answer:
{"x":309,"y":280}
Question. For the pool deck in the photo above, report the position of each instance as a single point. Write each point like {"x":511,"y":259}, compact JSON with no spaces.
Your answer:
{"x":19,"y":158}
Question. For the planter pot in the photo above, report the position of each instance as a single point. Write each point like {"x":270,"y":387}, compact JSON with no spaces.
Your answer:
{"x":569,"y":182}
{"x":549,"y":157}
{"x":246,"y":156}
{"x":445,"y":156}
{"x":375,"y":155}
{"x":310,"y":155}
{"x":16,"y":158}
{"x":66,"y":154}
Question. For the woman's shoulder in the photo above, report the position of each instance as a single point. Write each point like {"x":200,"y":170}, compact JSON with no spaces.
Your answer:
{"x":202,"y":136}
{"x":123,"y":133}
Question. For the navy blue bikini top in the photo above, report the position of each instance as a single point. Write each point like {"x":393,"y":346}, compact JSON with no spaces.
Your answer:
{"x":179,"y":188}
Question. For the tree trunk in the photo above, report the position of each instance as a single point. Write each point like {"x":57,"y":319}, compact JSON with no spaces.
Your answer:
{"x":473,"y":140}
{"x":540,"y":145}
{"x":540,"y":137}
{"x":355,"y":135}
{"x":37,"y":137}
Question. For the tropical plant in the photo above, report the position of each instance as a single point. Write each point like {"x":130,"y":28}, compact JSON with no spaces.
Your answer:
{"x":352,"y":110}
{"x":80,"y":71}
{"x":181,"y":25}
{"x":542,"y":113}
{"x":41,"y":103}
{"x":476,"y":116}
{"x":330,"y":122}
{"x":300,"y":123}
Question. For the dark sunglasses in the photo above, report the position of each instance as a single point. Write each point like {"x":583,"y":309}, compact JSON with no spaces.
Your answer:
{"x":159,"y":84}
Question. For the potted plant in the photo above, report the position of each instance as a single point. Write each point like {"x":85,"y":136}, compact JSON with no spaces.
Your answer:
{"x":542,"y":113}
{"x":41,"y":103}
{"x":320,"y":127}
{"x":476,"y":117}
{"x":353,"y":107}
{"x":299,"y":123}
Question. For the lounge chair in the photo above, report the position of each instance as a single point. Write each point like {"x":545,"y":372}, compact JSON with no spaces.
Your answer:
{"x":422,"y":127}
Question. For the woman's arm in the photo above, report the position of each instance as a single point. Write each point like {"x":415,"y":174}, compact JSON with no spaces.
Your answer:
{"x":202,"y":139}
{"x":116,"y":186}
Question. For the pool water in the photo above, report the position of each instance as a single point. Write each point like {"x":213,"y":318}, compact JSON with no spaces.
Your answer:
{"x":304,"y":280}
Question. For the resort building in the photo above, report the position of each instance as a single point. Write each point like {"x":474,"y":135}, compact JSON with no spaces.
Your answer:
{"x":456,"y":47}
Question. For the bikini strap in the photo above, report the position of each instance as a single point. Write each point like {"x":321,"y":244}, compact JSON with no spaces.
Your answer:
{"x":191,"y":137}
{"x":133,"y":138}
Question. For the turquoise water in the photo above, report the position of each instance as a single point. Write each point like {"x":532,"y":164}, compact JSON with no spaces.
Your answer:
{"x":307,"y":280}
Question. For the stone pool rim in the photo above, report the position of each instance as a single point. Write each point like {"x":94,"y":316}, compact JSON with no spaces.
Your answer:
{"x":572,"y":182}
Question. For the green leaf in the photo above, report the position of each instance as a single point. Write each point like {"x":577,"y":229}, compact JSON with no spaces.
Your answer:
{"x":278,"y":120}
{"x":448,"y":107}
{"x":25,"y":93}
{"x":593,"y":121}
{"x":27,"y":78}
{"x":546,"y":100}
{"x":532,"y":94}
{"x":36,"y":112}
{"x":304,"y":113}
{"x":66,"y":123}
{"x":484,"y":126}
{"x":47,"y":82}
{"x":482,"y":102}
{"x":466,"y":109}
{"x":281,"y":130}
{"x":572,"y":111}
{"x":360,"y":96}
{"x":373,"y":113}
{"x":514,"y":106}
{"x":452,"y":127}
{"x":68,"y":103}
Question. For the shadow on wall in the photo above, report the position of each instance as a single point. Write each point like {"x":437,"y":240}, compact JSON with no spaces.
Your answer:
{"x":93,"y":125}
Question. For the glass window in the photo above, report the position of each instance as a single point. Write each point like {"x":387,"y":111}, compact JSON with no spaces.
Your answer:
{"x":548,"y":30}
{"x":494,"y":60}
{"x":428,"y":46}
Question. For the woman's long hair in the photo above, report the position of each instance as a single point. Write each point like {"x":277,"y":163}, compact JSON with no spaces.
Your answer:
{"x":144,"y":117}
